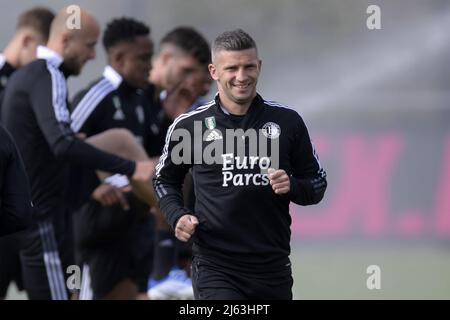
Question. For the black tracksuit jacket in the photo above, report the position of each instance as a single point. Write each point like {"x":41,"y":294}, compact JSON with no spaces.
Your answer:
{"x":243,"y":223}
{"x":35,"y":113}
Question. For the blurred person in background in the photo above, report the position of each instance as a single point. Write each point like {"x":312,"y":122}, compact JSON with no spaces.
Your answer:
{"x":177,"y":80}
{"x":35,"y":112}
{"x":118,"y":252}
{"x":32,"y":30}
{"x":15,"y":208}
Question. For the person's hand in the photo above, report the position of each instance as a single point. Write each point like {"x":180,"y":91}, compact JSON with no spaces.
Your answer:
{"x":182,"y":96}
{"x":144,"y":171}
{"x":109,"y":195}
{"x":185,"y":227}
{"x":279,"y":180}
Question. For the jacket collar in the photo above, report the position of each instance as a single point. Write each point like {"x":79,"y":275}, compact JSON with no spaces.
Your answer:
{"x":112,"y":76}
{"x":254,"y":111}
{"x":51,"y":56}
{"x":257,"y":102}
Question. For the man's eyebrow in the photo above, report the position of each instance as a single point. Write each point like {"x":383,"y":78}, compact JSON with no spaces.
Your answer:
{"x":227,"y":66}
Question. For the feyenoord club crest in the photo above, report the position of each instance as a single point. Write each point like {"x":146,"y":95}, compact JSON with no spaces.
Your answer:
{"x":210,"y":123}
{"x":271,"y":130}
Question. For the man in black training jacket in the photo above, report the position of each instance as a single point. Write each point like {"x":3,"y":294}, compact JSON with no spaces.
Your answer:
{"x":241,"y":223}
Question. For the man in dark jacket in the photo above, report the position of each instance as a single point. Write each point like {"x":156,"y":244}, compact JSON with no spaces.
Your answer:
{"x":250,"y":158}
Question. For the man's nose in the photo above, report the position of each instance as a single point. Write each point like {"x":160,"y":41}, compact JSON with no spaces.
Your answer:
{"x":241,"y":75}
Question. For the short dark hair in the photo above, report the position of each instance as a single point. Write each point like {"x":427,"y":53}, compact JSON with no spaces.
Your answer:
{"x":190,"y":41}
{"x":235,"y":40}
{"x":38,"y":18}
{"x":123,"y":30}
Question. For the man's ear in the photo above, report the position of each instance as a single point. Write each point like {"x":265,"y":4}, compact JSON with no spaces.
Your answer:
{"x":259,"y":64}
{"x":27,"y":40}
{"x":66,"y":37}
{"x":213,"y":71}
{"x":165,"y":56}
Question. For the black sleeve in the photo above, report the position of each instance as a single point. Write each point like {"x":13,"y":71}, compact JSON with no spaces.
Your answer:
{"x":308,"y":179}
{"x":77,"y":99}
{"x":49,"y":106}
{"x":168,"y":183}
{"x":88,"y":122}
{"x":189,"y":192}
{"x":90,"y":126}
{"x":15,"y":195}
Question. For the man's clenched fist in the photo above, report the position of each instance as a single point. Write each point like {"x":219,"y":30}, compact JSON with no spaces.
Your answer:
{"x":279,"y":180}
{"x":185,"y":227}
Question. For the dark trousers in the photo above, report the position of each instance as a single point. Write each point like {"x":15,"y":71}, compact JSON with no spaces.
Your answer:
{"x":46,"y":253}
{"x":213,"y":282}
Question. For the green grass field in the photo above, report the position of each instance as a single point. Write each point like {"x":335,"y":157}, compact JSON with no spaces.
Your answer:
{"x":407,"y":272}
{"x":339,"y":272}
